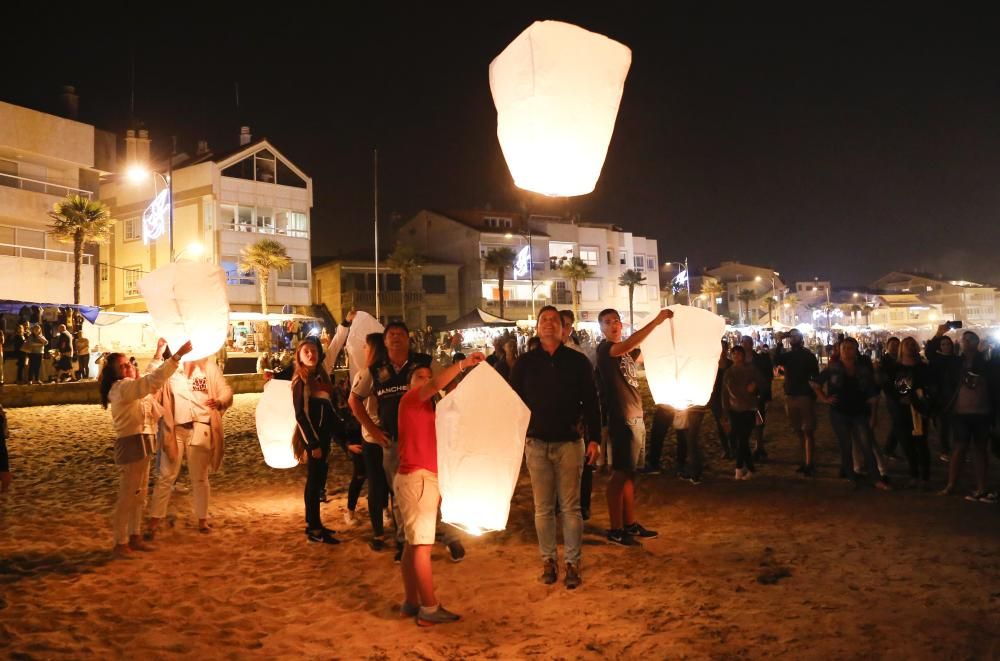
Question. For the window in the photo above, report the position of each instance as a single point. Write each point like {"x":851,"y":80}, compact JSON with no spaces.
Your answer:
{"x":589,"y":255}
{"x":560,"y":253}
{"x":434,"y":284}
{"x":298,"y":224}
{"x":240,"y":170}
{"x":296,"y":275}
{"x":131,"y":229}
{"x":231,"y":265}
{"x":639,"y":262}
{"x":132,"y":276}
{"x":104,"y":272}
{"x":392,"y":282}
{"x":609,"y":258}
{"x":244,"y":219}
{"x":265,"y":165}
{"x":497,"y":223}
{"x":31,"y":239}
{"x":8,"y":174}
{"x":622,"y":257}
{"x":286,"y":177}
{"x":227,"y":216}
{"x":265,"y":220}
{"x":650,"y":264}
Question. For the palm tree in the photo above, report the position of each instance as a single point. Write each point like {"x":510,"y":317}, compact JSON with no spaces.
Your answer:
{"x":261,"y":257}
{"x":745,"y":296}
{"x":79,"y":220}
{"x":405,"y":260}
{"x":631,"y":278}
{"x":712,"y":289}
{"x":855,"y":312}
{"x":828,"y":308}
{"x":499,"y":260}
{"x":867,"y":310}
{"x":768,"y":304}
{"x":576,"y":271}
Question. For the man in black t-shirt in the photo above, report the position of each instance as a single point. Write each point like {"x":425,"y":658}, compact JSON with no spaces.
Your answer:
{"x":800,"y":368}
{"x":616,"y":366}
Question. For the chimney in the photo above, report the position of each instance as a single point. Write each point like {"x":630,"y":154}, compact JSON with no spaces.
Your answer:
{"x":69,"y":102}
{"x":202,"y":148}
{"x":244,"y":135}
{"x":130,"y":146}
{"x":142,"y":147}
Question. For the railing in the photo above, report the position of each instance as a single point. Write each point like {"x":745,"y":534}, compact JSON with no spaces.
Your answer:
{"x":244,"y":227}
{"x":39,"y":186}
{"x":29,"y":252}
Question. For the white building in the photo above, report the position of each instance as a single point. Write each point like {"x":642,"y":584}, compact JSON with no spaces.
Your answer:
{"x":44,"y":158}
{"x":222,"y":203}
{"x":465,"y":238}
{"x":970,"y":302}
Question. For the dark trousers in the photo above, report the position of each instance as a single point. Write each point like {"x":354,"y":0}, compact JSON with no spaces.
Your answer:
{"x":915,"y":447}
{"x":586,"y":487}
{"x":19,"y":356}
{"x":727,"y":447}
{"x":896,"y":425}
{"x":357,"y":479}
{"x":315,"y":484}
{"x":34,"y":366}
{"x":688,"y":440}
{"x":943,"y":424}
{"x":742,"y":424}
{"x":378,"y":486}
{"x":83,"y":362}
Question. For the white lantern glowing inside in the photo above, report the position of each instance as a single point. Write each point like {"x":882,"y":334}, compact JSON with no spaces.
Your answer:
{"x":187,"y":301}
{"x":275,"y":417}
{"x":681,"y":357}
{"x":557,"y":88}
{"x":481,"y":427}
{"x":363,"y":325}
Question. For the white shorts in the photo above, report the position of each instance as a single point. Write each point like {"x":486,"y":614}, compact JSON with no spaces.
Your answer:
{"x":418,"y":496}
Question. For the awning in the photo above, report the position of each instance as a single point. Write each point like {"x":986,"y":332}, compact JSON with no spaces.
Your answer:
{"x":478,"y":319}
{"x":88,"y":312}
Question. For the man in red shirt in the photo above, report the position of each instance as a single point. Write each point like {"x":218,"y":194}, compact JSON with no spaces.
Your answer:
{"x":416,"y":488}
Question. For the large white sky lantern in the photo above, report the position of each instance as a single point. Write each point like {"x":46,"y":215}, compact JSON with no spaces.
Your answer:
{"x":557,"y":88}
{"x":481,"y":427}
{"x":275,"y":416}
{"x":363,"y":325}
{"x":187,"y":301}
{"x":681,"y":357}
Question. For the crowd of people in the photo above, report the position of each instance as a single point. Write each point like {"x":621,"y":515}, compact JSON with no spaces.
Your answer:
{"x":586,"y":412}
{"x":46,"y":351}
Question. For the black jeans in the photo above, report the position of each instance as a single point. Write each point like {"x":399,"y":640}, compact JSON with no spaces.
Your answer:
{"x":21,"y":359}
{"x":727,"y":447}
{"x":943,"y":423}
{"x":83,"y":362}
{"x":896,"y":425}
{"x":34,"y":366}
{"x":357,"y":479}
{"x":378,"y":486}
{"x":315,"y":484}
{"x":915,"y":446}
{"x":742,"y":424}
{"x":688,"y":439}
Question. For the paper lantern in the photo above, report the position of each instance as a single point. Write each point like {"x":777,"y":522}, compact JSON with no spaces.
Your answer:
{"x":481,"y":427}
{"x":557,"y":88}
{"x":187,"y":301}
{"x":275,"y":417}
{"x":363,"y":325}
{"x":681,"y":357}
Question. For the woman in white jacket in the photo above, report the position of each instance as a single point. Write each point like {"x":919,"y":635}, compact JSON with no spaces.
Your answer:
{"x":135,"y":418}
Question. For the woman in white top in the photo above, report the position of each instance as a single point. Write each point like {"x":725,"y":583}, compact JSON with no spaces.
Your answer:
{"x":135,"y":417}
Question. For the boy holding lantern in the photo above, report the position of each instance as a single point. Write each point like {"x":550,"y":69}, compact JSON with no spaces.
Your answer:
{"x":616,"y":361}
{"x":416,"y":488}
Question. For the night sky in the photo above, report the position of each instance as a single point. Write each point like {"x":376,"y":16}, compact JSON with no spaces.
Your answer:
{"x":837,"y":145}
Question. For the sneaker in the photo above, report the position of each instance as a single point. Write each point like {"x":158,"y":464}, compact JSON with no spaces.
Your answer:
{"x":585,"y":514}
{"x":649,"y":470}
{"x":457,"y":551}
{"x":376,"y":544}
{"x":944,"y":458}
{"x":760,"y":455}
{"x":397,"y":557}
{"x":350,"y":518}
{"x":695,"y":480}
{"x":637,"y":530}
{"x":322,"y":536}
{"x":572,"y":579}
{"x":408,"y":610}
{"x":439,"y":615}
{"x":622,"y":538}
{"x":549,"y":572}
{"x":683,"y":475}
{"x":989,"y":497}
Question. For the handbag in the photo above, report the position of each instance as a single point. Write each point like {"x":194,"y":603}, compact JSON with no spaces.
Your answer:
{"x":130,"y":449}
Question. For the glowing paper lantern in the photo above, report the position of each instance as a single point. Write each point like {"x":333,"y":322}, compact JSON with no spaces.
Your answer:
{"x":557,"y":88}
{"x":275,"y":417}
{"x":681,"y":357}
{"x":481,"y":427}
{"x":187,"y":301}
{"x":363,"y":325}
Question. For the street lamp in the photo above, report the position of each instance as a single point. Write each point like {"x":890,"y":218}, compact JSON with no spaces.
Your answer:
{"x":195,"y":248}
{"x":163,"y":202}
{"x":687,"y":276}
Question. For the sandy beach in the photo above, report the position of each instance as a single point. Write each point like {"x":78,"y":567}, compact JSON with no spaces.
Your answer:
{"x":780,"y":566}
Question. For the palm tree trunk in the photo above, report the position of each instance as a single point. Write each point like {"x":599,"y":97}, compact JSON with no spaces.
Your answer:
{"x":264,"y":277}
{"x":576,"y":299}
{"x":402,"y":294}
{"x":77,"y":266}
{"x":631,"y":318}
{"x":770,"y":321}
{"x":500,"y":274}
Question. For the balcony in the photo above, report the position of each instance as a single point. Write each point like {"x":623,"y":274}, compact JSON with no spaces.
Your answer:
{"x":360,"y":300}
{"x":277,"y":231}
{"x":48,"y":254}
{"x":50,"y":187}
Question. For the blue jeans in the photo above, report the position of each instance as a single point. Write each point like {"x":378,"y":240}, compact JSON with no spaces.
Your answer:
{"x":555,"y":470}
{"x":853,"y":431}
